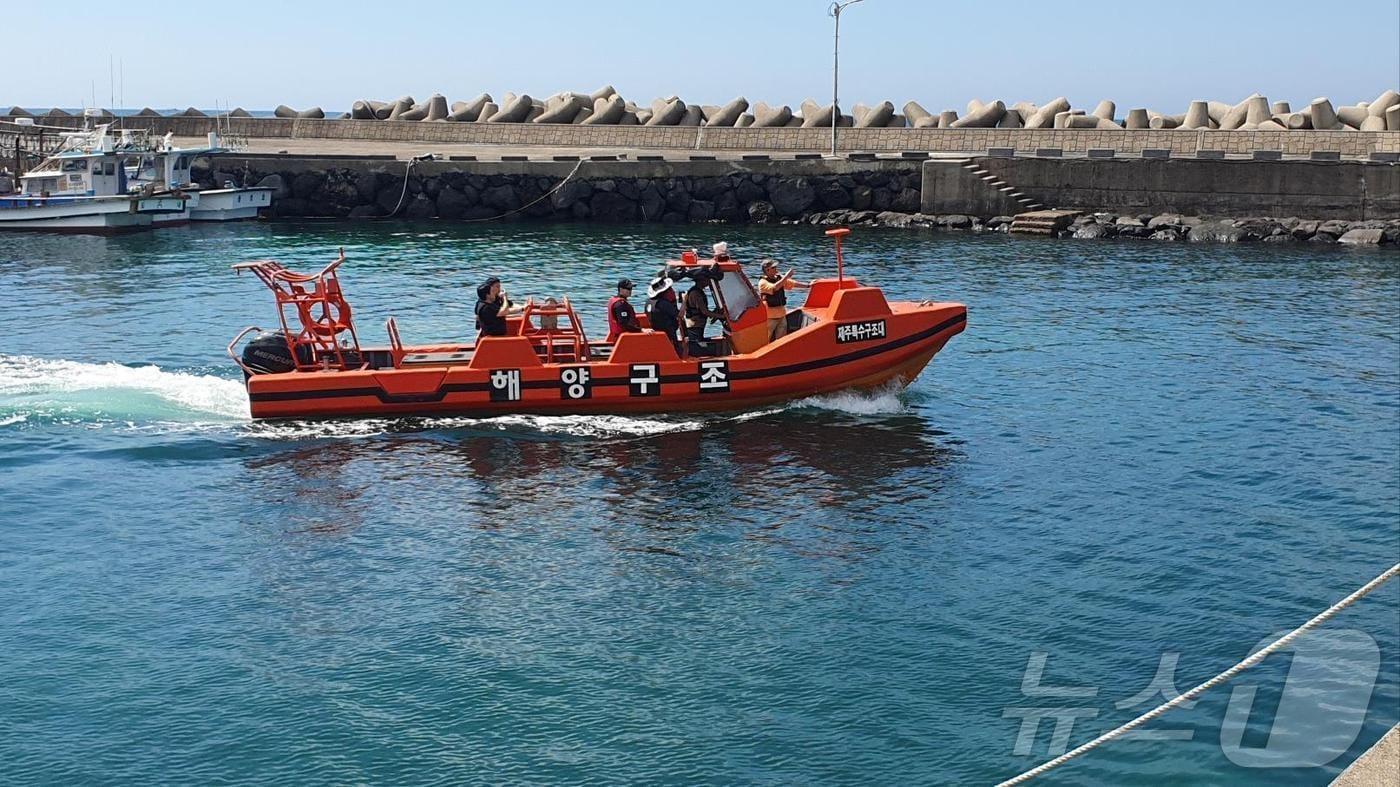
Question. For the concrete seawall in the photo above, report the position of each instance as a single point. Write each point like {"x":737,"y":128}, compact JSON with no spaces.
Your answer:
{"x":684,"y":191}
{"x":1322,"y":190}
{"x":740,"y":191}
{"x":1347,"y":144}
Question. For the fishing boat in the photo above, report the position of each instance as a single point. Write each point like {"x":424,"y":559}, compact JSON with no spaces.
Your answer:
{"x":846,"y":335}
{"x":83,"y":187}
{"x":168,"y":169}
{"x":105,"y":180}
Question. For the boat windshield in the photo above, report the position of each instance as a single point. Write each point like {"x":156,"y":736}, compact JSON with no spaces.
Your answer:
{"x":737,"y":293}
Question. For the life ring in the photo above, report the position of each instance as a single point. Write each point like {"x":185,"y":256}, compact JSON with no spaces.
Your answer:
{"x":334,"y":318}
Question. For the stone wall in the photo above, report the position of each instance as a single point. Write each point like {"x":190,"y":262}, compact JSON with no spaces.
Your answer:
{"x":1319,"y":190}
{"x":1348,"y":144}
{"x":742,"y":191}
{"x":598,"y":191}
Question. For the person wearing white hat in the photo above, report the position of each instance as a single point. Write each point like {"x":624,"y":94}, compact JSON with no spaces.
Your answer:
{"x":661,"y":308}
{"x":721,"y":252}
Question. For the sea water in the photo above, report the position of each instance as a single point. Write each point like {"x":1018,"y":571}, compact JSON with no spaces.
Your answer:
{"x":1138,"y":455}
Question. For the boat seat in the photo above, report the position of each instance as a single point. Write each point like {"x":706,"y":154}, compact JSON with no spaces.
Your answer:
{"x":437,"y":359}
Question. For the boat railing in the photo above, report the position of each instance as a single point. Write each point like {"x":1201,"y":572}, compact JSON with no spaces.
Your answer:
{"x":233,"y":353}
{"x":234,"y":143}
{"x":550,"y":337}
{"x":64,"y":198}
{"x":396,"y":350}
{"x":321,"y":314}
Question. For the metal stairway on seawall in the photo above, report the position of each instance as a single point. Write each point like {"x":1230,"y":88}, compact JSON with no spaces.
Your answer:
{"x":1002,"y":186}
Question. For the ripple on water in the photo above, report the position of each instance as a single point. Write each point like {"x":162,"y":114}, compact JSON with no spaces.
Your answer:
{"x":1134,"y":449}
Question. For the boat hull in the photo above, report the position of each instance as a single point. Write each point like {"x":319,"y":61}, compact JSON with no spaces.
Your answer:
{"x":60,"y":214}
{"x":97,"y":215}
{"x":823,"y":357}
{"x":231,"y":204}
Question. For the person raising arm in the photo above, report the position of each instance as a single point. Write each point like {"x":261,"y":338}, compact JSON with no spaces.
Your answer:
{"x":773,"y":288}
{"x":492,"y":308}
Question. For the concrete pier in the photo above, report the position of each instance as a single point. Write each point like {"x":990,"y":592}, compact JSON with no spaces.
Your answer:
{"x":1378,"y":767}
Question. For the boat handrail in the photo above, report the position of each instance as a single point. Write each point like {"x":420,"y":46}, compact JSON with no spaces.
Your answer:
{"x":279,"y":273}
{"x":19,"y":195}
{"x":235,"y":342}
{"x":396,"y":351}
{"x":574,"y":334}
{"x":283,"y":274}
{"x":318,"y":334}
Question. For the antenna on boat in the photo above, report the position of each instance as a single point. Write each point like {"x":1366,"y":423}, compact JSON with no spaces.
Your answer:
{"x":838,"y":233}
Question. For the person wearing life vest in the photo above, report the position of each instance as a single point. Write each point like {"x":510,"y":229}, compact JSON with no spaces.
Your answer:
{"x":622,"y":318}
{"x":772,"y":288}
{"x":492,"y":308}
{"x":661,"y":308}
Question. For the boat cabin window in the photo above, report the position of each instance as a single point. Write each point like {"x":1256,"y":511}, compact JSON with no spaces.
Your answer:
{"x":80,"y":165}
{"x":737,"y":293}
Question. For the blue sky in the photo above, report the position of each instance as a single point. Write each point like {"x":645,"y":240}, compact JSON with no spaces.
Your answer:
{"x":258,"y":54}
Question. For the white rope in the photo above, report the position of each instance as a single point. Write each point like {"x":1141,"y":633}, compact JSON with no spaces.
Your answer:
{"x":407,"y":170}
{"x":1210,"y":684}
{"x":507,"y":214}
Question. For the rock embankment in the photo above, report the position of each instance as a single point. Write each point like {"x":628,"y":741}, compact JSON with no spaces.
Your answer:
{"x":738,"y":197}
{"x":877,"y":198}
{"x":1169,"y":227}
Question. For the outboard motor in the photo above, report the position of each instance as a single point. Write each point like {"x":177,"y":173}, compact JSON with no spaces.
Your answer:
{"x":267,"y":353}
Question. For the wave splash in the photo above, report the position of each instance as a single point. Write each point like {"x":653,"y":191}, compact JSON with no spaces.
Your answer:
{"x":606,"y":426}
{"x":55,"y":388}
{"x":882,"y":401}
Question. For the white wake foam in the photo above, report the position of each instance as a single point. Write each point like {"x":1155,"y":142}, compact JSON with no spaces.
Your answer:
{"x":29,"y":384}
{"x":884,"y":401}
{"x":602,"y":426}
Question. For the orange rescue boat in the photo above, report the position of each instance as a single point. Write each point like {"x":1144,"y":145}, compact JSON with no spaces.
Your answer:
{"x":845,"y":336}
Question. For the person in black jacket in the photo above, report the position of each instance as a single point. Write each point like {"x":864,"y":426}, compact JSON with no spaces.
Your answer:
{"x":661,"y":308}
{"x":492,"y":308}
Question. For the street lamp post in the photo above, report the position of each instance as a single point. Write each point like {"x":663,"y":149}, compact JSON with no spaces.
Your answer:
{"x":835,"y":11}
